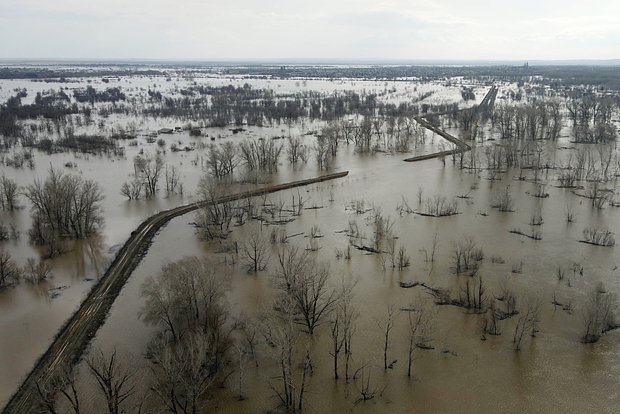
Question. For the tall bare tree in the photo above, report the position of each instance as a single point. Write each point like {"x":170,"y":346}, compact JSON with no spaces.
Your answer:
{"x":186,"y":301}
{"x":9,"y":271}
{"x":115,"y":380}
{"x":62,"y":385}
{"x":256,"y":252}
{"x":184,"y":372}
{"x":386,"y":325}
{"x":304,"y":282}
{"x":216,"y":213}
{"x":419,"y":329}
{"x":8,"y":193}
{"x":149,"y":170}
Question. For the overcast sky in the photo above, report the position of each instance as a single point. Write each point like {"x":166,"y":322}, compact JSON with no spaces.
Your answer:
{"x":345,"y":29}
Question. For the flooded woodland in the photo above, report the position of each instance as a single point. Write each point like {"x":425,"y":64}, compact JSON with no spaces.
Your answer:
{"x":466,"y":261}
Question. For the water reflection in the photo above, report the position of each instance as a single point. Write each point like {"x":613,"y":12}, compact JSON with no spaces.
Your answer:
{"x":84,"y":259}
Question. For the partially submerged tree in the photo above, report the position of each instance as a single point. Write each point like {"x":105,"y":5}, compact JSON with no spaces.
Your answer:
{"x":386,"y":325}
{"x":36,"y":271}
{"x":61,"y":385}
{"x":64,"y":205}
{"x":599,"y":315}
{"x":9,"y":271}
{"x":8,"y":193}
{"x":216,"y":213}
{"x":185,"y":372}
{"x":527,"y":322}
{"x":342,"y":327}
{"x":187,"y":296}
{"x":148,"y":169}
{"x":255,"y":251}
{"x":419,"y":330}
{"x":186,"y":301}
{"x":115,"y":380}
{"x":304,"y":284}
{"x":290,"y":352}
{"x":466,"y":255}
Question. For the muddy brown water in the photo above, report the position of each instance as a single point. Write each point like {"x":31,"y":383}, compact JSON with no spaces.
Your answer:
{"x":553,"y":373}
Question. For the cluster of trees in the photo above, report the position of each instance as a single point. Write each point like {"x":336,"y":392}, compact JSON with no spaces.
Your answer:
{"x":148,"y":172}
{"x":116,"y":386}
{"x":64,"y":206}
{"x":9,"y":192}
{"x":52,"y":105}
{"x":190,"y":355}
{"x":591,"y":115}
{"x":92,"y":95}
{"x":34,"y":271}
{"x":532,"y":121}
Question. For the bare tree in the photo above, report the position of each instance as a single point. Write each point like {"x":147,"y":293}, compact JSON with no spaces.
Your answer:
{"x":472,"y":296}
{"x":303,"y":283}
{"x":242,"y":357}
{"x":260,"y":155}
{"x":64,"y":205}
{"x":186,"y":301}
{"x":503,"y":200}
{"x":386,"y":325}
{"x":599,"y":315}
{"x":187,"y":296}
{"x":8,"y":193}
{"x":292,"y":262}
{"x":341,"y":327}
{"x":133,"y":189}
{"x":222,"y":159}
{"x":36,"y":271}
{"x":62,"y":384}
{"x":296,"y":151}
{"x":466,"y":255}
{"x":419,"y":329}
{"x":312,"y":297}
{"x":367,"y":387}
{"x":337,"y":337}
{"x":256,"y":253}
{"x":184,"y":372}
{"x":9,"y":271}
{"x":149,"y":169}
{"x":216,"y":213}
{"x":172,"y":176}
{"x":287,"y":347}
{"x":527,"y":322}
{"x":322,"y":152}
{"x":115,"y":381}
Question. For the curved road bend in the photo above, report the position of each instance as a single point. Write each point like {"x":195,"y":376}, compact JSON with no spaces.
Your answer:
{"x":487,"y":102}
{"x":71,"y":340}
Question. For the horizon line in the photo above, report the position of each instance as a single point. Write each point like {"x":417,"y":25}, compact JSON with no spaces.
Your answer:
{"x":313,"y":60}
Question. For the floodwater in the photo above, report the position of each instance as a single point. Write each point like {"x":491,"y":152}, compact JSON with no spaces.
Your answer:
{"x":553,"y":372}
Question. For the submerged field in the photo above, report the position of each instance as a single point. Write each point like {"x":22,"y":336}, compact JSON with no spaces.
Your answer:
{"x":503,"y":328}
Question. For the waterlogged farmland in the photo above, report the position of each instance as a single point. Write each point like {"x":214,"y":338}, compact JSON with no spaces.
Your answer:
{"x":482,"y":277}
